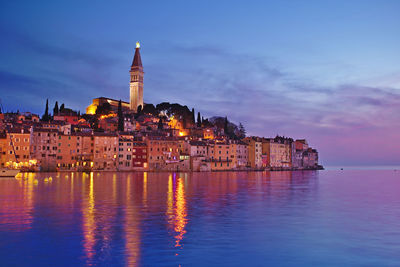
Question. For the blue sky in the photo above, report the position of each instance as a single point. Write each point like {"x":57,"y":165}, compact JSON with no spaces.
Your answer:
{"x":327,"y":71}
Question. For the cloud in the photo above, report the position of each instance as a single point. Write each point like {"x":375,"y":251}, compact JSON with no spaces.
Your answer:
{"x":269,"y":101}
{"x":342,"y":121}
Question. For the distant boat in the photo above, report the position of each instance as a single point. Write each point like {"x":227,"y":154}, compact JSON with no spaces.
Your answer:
{"x":8,"y":172}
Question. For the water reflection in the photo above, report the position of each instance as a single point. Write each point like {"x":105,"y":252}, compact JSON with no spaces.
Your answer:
{"x":16,"y":203}
{"x":89,"y":222}
{"x":180,"y":220}
{"x":131,"y":227}
{"x":129,"y":218}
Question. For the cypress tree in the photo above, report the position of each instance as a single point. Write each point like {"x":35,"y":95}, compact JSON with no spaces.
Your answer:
{"x":120,"y":117}
{"x":62,"y":107}
{"x":55,"y":109}
{"x":242,"y":131}
{"x":193,"y":114}
{"x":45,"y":116}
{"x":198,"y":119}
{"x":226,"y":126}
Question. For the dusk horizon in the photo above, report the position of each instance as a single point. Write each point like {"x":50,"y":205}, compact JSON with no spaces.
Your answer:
{"x":200,"y":133}
{"x":309,"y":72}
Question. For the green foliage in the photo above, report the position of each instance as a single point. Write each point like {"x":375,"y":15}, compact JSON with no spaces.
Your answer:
{"x":120,"y":117}
{"x":150,"y":109}
{"x":198,"y":119}
{"x":55,"y":109}
{"x":103,"y":109}
{"x":241,"y":131}
{"x":46,"y":116}
{"x":139,"y":109}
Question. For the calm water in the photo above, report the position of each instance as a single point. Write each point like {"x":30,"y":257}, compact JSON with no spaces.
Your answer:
{"x":325,"y":218}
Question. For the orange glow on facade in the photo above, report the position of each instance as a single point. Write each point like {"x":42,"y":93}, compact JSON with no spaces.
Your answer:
{"x":111,"y":115}
{"x":91,"y":110}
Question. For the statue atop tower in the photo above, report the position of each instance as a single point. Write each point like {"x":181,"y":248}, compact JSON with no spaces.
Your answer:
{"x":136,"y":83}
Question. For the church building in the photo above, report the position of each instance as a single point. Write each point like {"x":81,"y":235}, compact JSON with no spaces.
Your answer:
{"x":135,"y":89}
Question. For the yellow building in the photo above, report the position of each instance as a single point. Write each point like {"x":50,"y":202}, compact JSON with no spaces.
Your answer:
{"x":96,"y":102}
{"x":219,"y":154}
{"x":20,"y":139}
{"x":255,"y":151}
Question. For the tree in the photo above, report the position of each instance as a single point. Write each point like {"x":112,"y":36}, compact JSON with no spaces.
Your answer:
{"x":242,"y":131}
{"x":150,"y":109}
{"x":198,"y":119}
{"x":160,"y":124}
{"x":46,"y":116}
{"x":103,"y":109}
{"x":226,"y":126}
{"x":120,"y":117}
{"x":139,"y":109}
{"x":193,"y":115}
{"x":55,"y":109}
{"x":62,"y":107}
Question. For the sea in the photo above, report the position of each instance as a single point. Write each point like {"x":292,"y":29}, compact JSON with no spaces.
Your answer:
{"x":331,"y":217}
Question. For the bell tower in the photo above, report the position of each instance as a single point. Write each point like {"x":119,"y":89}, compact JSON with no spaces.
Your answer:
{"x":136,"y":83}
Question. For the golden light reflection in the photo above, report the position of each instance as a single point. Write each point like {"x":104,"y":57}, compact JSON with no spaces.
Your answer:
{"x":180,"y":212}
{"x":145,"y":189}
{"x":170,"y":199}
{"x":89,"y":223}
{"x":132,"y":240}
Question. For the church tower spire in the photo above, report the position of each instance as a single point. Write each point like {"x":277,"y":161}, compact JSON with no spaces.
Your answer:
{"x":136,"y":83}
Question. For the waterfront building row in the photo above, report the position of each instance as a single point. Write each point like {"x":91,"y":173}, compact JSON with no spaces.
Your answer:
{"x":52,"y":149}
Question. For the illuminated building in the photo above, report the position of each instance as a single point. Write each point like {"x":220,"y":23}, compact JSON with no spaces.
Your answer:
{"x":84,"y":150}
{"x":43,"y":148}
{"x":100,"y":101}
{"x":139,"y":155}
{"x":67,"y":152}
{"x":105,"y":151}
{"x":20,"y":139}
{"x":163,"y":154}
{"x":136,"y":82}
{"x":219,"y":154}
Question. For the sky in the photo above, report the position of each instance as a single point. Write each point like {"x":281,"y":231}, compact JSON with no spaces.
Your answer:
{"x":327,"y":71}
